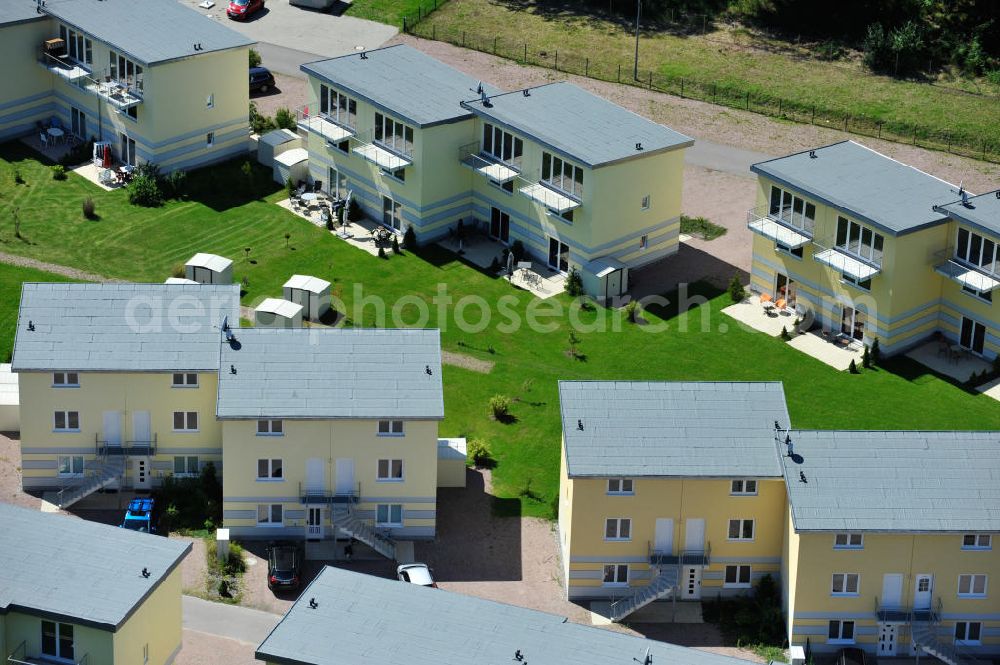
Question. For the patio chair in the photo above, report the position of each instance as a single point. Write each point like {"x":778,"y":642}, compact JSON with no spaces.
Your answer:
{"x":318,"y":186}
{"x":54,"y":122}
{"x":43,"y":137}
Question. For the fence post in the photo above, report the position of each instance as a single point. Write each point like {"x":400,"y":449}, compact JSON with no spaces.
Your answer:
{"x":779,"y":106}
{"x":914,"y":135}
{"x":557,"y":60}
{"x":715,"y":87}
{"x":650,"y":79}
{"x":434,"y":32}
{"x":586,"y":67}
{"x":525,"y":52}
{"x":404,"y":25}
{"x":619,"y":72}
{"x":463,"y":39}
{"x":494,"y":44}
{"x":420,"y":13}
{"x":846,"y":116}
{"x":814,"y":115}
{"x":879,"y":129}
{"x":748,"y":100}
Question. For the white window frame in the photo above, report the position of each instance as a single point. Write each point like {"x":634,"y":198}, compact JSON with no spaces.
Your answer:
{"x":338,"y":107}
{"x":644,"y":205}
{"x":71,"y":459}
{"x":187,"y":418}
{"x":741,"y":487}
{"x":58,"y":655}
{"x":187,"y":380}
{"x":845,"y":584}
{"x":986,"y":261}
{"x":390,"y":477}
{"x":391,"y":428}
{"x":269,"y":509}
{"x":501,"y":145}
{"x":977,"y":541}
{"x":66,"y":421}
{"x":275,"y":470}
{"x":187,"y":463}
{"x":848,"y":538}
{"x":742,"y":524}
{"x":971,"y":593}
{"x":210,"y":101}
{"x":566,"y":179}
{"x":388,"y":508}
{"x":840,"y":639}
{"x":792,"y":209}
{"x":270,"y":427}
{"x":79,"y":47}
{"x":393,"y":134}
{"x":965,"y":628}
{"x":738,"y":569}
{"x":861,"y":251}
{"x":621,"y":487}
{"x":621,"y":525}
{"x":65,"y":380}
{"x":209,"y":139}
{"x":643,"y":242}
{"x":615,"y":569}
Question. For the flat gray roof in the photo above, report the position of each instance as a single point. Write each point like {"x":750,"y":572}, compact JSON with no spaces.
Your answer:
{"x":63,"y":567}
{"x":405,"y":82}
{"x":578,"y":124}
{"x":18,"y":11}
{"x":864,"y":184}
{"x":325,"y":373}
{"x":149,"y":31}
{"x":122,"y":327}
{"x":982,"y":211}
{"x":671,"y":429}
{"x":894,"y":481}
{"x":366,"y":619}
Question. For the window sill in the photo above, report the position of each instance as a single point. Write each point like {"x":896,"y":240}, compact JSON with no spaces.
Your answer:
{"x":976,"y":297}
{"x":391,"y":435}
{"x":389,"y":480}
{"x":737,"y":586}
{"x":785,"y":252}
{"x":270,"y":480}
{"x":615,"y":585}
{"x":831,"y":640}
{"x":186,"y":431}
{"x":856,"y":548}
{"x":977,"y":549}
{"x":739,"y":540}
{"x":185,"y":387}
{"x":972,"y":596}
{"x":186,"y":475}
{"x":66,"y":431}
{"x":742,"y":494}
{"x":269,"y":525}
{"x":620,"y":493}
{"x":70,"y":475}
{"x":65,"y":385}
{"x":617,"y":540}
{"x":279,"y":434}
{"x":388,"y":525}
{"x":968,"y":643}
{"x":858,"y":287}
{"x":834,"y":594}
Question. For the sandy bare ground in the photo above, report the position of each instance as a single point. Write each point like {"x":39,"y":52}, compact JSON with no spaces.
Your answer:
{"x":289,"y":92}
{"x":55,"y":268}
{"x":194,"y":567}
{"x":204,"y":649}
{"x":466,"y":361}
{"x":10,"y":473}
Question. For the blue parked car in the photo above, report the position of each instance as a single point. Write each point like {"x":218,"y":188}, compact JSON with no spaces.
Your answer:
{"x":139,"y":516}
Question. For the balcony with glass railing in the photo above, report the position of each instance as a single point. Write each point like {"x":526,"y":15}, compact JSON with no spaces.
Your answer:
{"x":546,"y":193}
{"x":852,"y":258}
{"x":487,"y":165}
{"x":782,"y":226}
{"x":122,"y":93}
{"x":983,"y":279}
{"x":384,"y":155}
{"x":324,"y":125}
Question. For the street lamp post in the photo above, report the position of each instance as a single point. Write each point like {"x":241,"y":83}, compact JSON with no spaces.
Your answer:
{"x":638,"y":14}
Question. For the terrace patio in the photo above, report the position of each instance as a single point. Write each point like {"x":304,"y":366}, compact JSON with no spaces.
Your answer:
{"x":481,"y":250}
{"x":949,"y":359}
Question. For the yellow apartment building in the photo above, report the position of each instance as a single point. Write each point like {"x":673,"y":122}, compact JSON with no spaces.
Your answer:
{"x":74,"y":591}
{"x":669,"y":489}
{"x":331,"y":433}
{"x":582,"y":183}
{"x":868,"y":247}
{"x":156,"y":80}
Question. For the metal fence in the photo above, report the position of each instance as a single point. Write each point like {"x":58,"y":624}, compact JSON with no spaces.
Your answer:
{"x":723,"y":94}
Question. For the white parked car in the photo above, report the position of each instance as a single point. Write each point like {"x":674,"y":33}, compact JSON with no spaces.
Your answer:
{"x":416,"y":573}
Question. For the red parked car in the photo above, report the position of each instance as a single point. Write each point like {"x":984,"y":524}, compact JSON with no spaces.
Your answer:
{"x":241,"y":9}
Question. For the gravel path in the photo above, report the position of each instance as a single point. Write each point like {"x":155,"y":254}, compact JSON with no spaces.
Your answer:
{"x":55,"y":268}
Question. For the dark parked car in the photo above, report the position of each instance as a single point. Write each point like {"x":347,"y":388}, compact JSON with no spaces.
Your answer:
{"x":261,"y":79}
{"x":241,"y":9}
{"x":284,"y":563}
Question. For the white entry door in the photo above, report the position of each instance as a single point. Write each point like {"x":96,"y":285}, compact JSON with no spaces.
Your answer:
{"x":315,"y":476}
{"x":314,"y":524}
{"x":691,"y":583}
{"x":345,"y":476}
{"x":694,"y":535}
{"x":892,"y":590}
{"x":923,"y":586}
{"x":887,"y":640}
{"x":113,"y":428}
{"x":140,"y":473}
{"x":664,"y":542}
{"x":141,"y":430}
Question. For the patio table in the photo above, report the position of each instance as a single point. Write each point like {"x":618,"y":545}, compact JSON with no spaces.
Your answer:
{"x":309,"y":197}
{"x":56,"y":133}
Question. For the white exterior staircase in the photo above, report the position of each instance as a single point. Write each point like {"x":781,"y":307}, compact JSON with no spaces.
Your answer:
{"x":347,"y":521}
{"x":925,"y":638}
{"x":99,"y":474}
{"x":663,"y":584}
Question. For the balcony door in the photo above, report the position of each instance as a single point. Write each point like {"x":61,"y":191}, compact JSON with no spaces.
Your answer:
{"x":345,"y":476}
{"x":664,"y":538}
{"x":852,"y":323}
{"x":499,"y":225}
{"x":141,"y":433}
{"x":558,"y":255}
{"x":973,"y":335}
{"x":113,"y":428}
{"x":923,"y":587}
{"x":392,"y":213}
{"x":79,"y":123}
{"x":785,"y":287}
{"x":126,"y":149}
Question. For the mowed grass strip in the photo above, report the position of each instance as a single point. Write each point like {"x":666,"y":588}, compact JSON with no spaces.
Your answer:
{"x":596,"y":45}
{"x":433,"y":288}
{"x":11,"y":278}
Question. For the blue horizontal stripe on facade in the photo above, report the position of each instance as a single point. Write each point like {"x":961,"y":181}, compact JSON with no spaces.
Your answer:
{"x":595,"y":574}
{"x":239,"y":514}
{"x":26,"y":100}
{"x":162,"y":450}
{"x":746,"y":559}
{"x":609,"y":559}
{"x":39,"y":464}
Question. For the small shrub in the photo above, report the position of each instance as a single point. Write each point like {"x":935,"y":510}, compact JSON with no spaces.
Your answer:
{"x":58,"y":172}
{"x":284,"y":119}
{"x":144,"y":191}
{"x":527,"y":493}
{"x":993,"y":76}
{"x":254,"y":58}
{"x":382,"y":254}
{"x":574,"y":283}
{"x":632,"y":311}
{"x":480,"y":454}
{"x":178,"y":271}
{"x":853,"y":367}
{"x":784,"y":334}
{"x":876,"y":353}
{"x":290,"y":187}
{"x":288,"y":236}
{"x":500,"y":408}
{"x":78,"y":154}
{"x":18,"y":178}
{"x":329,"y":223}
{"x":866,"y":359}
{"x":260,"y":123}
{"x":89,"y":209}
{"x":797,"y":325}
{"x":395,"y":245}
{"x":736,"y":291}
{"x":701,"y":226}
{"x":517,"y":249}
{"x":175,"y":184}
{"x":247,"y":170}
{"x":410,"y":239}
{"x":354,"y":211}
{"x":573,"y":351}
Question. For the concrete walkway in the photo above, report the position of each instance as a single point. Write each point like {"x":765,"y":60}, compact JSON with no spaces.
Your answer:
{"x":230,"y":621}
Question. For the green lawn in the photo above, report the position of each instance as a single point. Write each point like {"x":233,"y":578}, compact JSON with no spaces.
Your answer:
{"x":141,"y":244}
{"x":722,"y":67}
{"x":392,"y":11}
{"x":11,"y":278}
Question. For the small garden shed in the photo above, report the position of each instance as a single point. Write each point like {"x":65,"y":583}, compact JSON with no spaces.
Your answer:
{"x":278,"y":313}
{"x":292,"y":164}
{"x":451,"y":462}
{"x":311,"y":292}
{"x":209,"y":269}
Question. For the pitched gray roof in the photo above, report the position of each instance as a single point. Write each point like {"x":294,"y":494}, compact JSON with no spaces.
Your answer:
{"x":576,"y":123}
{"x":402,"y":80}
{"x":84,"y":572}
{"x":671,"y":429}
{"x":332,"y":373}
{"x":982,"y":211}
{"x":864,"y":184}
{"x":18,"y":11}
{"x":122,"y":327}
{"x":365,"y":619}
{"x":894,"y":481}
{"x":149,"y":31}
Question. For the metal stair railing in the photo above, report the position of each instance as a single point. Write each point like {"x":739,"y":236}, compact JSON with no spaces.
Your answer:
{"x":662,"y":584}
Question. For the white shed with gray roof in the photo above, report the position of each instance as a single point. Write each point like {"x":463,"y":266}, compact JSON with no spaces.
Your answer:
{"x":278,"y":313}
{"x":312,"y":293}
{"x":209,"y":269}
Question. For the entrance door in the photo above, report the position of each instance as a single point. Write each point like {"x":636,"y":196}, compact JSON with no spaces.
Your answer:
{"x":314,"y":524}
{"x":127,"y":149}
{"x":892,"y":590}
{"x":887,"y":640}
{"x":613,"y":286}
{"x":694,"y":535}
{"x":113,"y":428}
{"x":558,"y":255}
{"x":391,"y":214}
{"x":345,"y":476}
{"x":140,"y":474}
{"x":499,"y":225}
{"x":973,"y":335}
{"x":141,"y":431}
{"x":79,"y":122}
{"x":691,"y":583}
{"x":664,"y":542}
{"x":923,"y":587}
{"x":315,"y":478}
{"x":785,"y":288}
{"x":852,"y":323}
{"x":336,"y":186}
